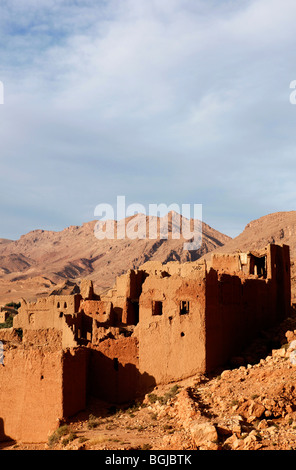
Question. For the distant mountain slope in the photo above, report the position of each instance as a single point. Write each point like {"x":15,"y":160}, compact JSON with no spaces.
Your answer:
{"x":279,"y":227}
{"x":39,"y":260}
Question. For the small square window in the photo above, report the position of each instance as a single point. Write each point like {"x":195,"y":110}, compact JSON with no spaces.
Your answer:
{"x":184,"y":307}
{"x":157,"y":307}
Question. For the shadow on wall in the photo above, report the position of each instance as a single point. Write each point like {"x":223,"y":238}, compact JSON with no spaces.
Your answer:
{"x":117,"y":383}
{"x":3,"y":437}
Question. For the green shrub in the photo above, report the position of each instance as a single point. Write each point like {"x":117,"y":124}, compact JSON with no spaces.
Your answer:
{"x":93,"y":422}
{"x":169,"y":395}
{"x":55,"y":437}
{"x":152,"y":397}
{"x":69,"y":438}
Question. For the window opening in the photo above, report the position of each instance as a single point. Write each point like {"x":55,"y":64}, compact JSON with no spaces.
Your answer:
{"x":184,"y":307}
{"x":157,"y":307}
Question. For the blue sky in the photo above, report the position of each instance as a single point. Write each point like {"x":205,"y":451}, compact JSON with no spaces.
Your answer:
{"x":162,"y":101}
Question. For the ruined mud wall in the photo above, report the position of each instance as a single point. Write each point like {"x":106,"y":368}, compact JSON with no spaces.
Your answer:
{"x":237,"y":310}
{"x":113,"y":370}
{"x":171,"y":341}
{"x":238,"y":307}
{"x":280,"y":273}
{"x":40,"y":384}
{"x":123,"y":298}
{"x":47,"y":312}
{"x":30,"y":393}
{"x":74,"y":379}
{"x":229,"y":263}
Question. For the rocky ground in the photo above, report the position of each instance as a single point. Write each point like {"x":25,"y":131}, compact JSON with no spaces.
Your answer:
{"x":249,"y":406}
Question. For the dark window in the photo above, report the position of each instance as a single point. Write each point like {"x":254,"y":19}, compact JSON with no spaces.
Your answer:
{"x":157,"y":307}
{"x":258,"y":266}
{"x":184,"y":307}
{"x":65,"y":305}
{"x":58,"y":305}
{"x":61,"y":314}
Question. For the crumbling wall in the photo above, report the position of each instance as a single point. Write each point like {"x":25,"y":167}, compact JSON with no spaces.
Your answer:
{"x":74,"y":379}
{"x":46,"y":312}
{"x":40,"y":384}
{"x":171,"y":330}
{"x":50,"y":312}
{"x":114,"y":370}
{"x":30,"y":393}
{"x":236,"y":310}
{"x":239,"y":307}
{"x":123,"y":298}
{"x":229,"y":263}
{"x":49,"y":337}
{"x":279,"y":270}
{"x":4,"y":316}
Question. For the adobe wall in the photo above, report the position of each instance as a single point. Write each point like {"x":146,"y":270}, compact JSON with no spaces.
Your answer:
{"x":229,"y":263}
{"x":10,"y":334}
{"x":99,"y":310}
{"x":3,"y":316}
{"x":236,"y":310}
{"x":172,"y":345}
{"x":75,"y":363}
{"x":39,"y":386}
{"x":46,"y":312}
{"x":124,"y":296}
{"x":113,"y":370}
{"x":239,"y":306}
{"x":50,"y":312}
{"x":279,"y":270}
{"x":49,"y":337}
{"x":30,"y":393}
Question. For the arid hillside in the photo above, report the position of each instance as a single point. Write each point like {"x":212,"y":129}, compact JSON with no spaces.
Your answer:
{"x":279,"y":227}
{"x":40,"y":260}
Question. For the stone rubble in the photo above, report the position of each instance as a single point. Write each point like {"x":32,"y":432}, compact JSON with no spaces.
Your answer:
{"x":252,"y":407}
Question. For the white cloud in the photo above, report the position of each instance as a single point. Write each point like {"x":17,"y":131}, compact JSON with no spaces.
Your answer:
{"x":162,"y":101}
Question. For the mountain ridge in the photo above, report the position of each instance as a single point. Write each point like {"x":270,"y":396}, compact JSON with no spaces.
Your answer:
{"x":47,"y":258}
{"x":40,"y":260}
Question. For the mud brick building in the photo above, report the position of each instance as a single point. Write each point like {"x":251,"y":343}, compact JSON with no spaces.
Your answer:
{"x":158,"y":324}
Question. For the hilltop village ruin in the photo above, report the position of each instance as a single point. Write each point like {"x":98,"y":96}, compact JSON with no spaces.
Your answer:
{"x":158,"y":324}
